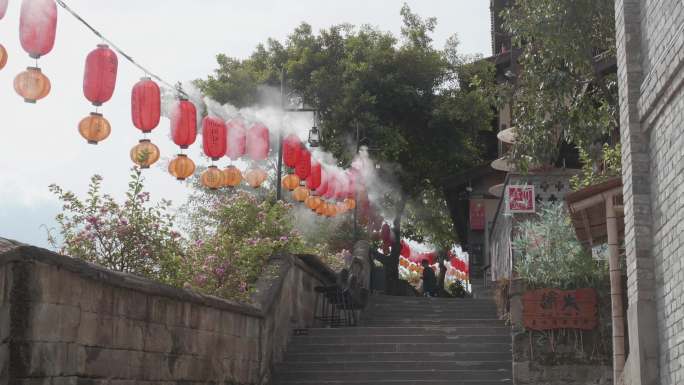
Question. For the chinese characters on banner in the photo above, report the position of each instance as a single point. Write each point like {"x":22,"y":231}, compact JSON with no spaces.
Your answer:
{"x":520,"y":199}
{"x":477,"y":215}
{"x":548,"y":309}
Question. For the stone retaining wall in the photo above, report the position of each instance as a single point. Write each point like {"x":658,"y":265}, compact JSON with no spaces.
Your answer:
{"x":64,"y":321}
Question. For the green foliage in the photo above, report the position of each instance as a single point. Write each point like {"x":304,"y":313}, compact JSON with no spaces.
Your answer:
{"x":457,"y":290}
{"x":548,"y":254}
{"x":611,"y":167}
{"x":428,"y":221}
{"x":560,"y":92}
{"x":134,"y":236}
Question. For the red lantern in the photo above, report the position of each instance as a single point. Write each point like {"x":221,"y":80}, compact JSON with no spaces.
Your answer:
{"x":184,"y":123}
{"x":291,"y":149}
{"x":313,"y":182}
{"x":3,"y":7}
{"x":405,"y":250}
{"x":214,"y":137}
{"x":237,"y":137}
{"x":341,"y":189}
{"x":99,"y":78}
{"x":303,"y":168}
{"x":38,"y":26}
{"x":258,"y":142}
{"x":323,"y":188}
{"x":146,"y":105}
{"x":332,"y":185}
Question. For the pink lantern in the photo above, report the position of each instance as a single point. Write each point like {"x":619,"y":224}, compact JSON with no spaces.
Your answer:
{"x":37,"y":26}
{"x":258,"y":142}
{"x":3,"y":8}
{"x":236,"y":140}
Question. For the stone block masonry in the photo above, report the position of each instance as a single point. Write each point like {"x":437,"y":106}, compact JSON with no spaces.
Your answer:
{"x":64,"y":321}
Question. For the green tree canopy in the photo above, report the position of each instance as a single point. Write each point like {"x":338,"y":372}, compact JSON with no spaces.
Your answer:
{"x":564,"y":89}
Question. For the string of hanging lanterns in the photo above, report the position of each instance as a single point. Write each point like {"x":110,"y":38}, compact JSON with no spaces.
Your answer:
{"x":326,"y":191}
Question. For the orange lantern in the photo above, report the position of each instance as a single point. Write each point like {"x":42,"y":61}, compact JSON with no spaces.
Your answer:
{"x":145,"y":153}
{"x":351,"y":203}
{"x":291,"y":182}
{"x":330,"y":210}
{"x":232,"y":176}
{"x":212,"y":178}
{"x":341,"y":207}
{"x":32,"y":85}
{"x":3,"y":56}
{"x":94,"y":128}
{"x":181,"y":167}
{"x":313,"y":202}
{"x":301,"y":193}
{"x":255,"y":177}
{"x":321,"y":208}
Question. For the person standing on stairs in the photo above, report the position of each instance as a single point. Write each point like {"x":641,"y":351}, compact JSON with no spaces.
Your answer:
{"x":429,"y":279}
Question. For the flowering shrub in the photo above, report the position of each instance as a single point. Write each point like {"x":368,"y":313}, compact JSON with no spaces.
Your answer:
{"x":228,"y":256}
{"x":135,"y":237}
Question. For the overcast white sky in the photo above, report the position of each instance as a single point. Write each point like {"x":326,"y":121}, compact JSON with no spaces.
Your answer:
{"x":178,"y":40}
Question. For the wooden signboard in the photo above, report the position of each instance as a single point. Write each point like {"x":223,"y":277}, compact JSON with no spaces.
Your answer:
{"x":547,"y":309}
{"x":477,"y":215}
{"x":520,"y":199}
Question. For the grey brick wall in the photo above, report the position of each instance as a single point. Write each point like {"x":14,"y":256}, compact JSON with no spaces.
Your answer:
{"x":650,"y":40}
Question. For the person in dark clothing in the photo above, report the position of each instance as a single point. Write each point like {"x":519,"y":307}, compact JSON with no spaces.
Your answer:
{"x":429,"y":279}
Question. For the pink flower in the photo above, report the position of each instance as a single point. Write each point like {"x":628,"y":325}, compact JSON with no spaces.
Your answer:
{"x":219,"y":272}
{"x":284,"y":238}
{"x":199,"y":243}
{"x":243,"y":286}
{"x":200,"y":279}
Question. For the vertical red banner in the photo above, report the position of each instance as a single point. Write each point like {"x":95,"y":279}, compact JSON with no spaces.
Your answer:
{"x":477,"y":215}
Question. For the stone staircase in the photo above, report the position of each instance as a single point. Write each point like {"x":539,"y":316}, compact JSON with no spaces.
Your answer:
{"x":406,"y":341}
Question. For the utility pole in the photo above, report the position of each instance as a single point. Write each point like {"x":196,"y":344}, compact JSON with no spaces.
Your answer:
{"x":356,"y":194}
{"x":279,"y":192}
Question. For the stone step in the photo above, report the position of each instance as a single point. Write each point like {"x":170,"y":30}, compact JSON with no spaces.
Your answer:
{"x":355,"y":339}
{"x":397,"y":365}
{"x":383,"y":316}
{"x":428,"y":322}
{"x":395,"y":382}
{"x":401,"y":347}
{"x":402,"y":356}
{"x":475,"y":330}
{"x":397,"y":375}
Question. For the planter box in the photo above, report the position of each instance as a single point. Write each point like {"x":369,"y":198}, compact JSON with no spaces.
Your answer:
{"x":548,"y":309}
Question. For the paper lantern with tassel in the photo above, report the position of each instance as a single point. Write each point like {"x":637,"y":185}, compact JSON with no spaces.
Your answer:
{"x":290,"y":182}
{"x":99,"y":78}
{"x":255,"y":177}
{"x":313,"y":202}
{"x":145,"y":153}
{"x":32,"y":85}
{"x":212,"y":178}
{"x":38,"y":26}
{"x":3,"y":56}
{"x":146,"y":105}
{"x":233,"y":176}
{"x":182,"y":167}
{"x":184,"y":123}
{"x":291,"y":149}
{"x":236,"y":139}
{"x":214,"y":137}
{"x":94,"y":128}
{"x":258,"y":144}
{"x":300,"y":194}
